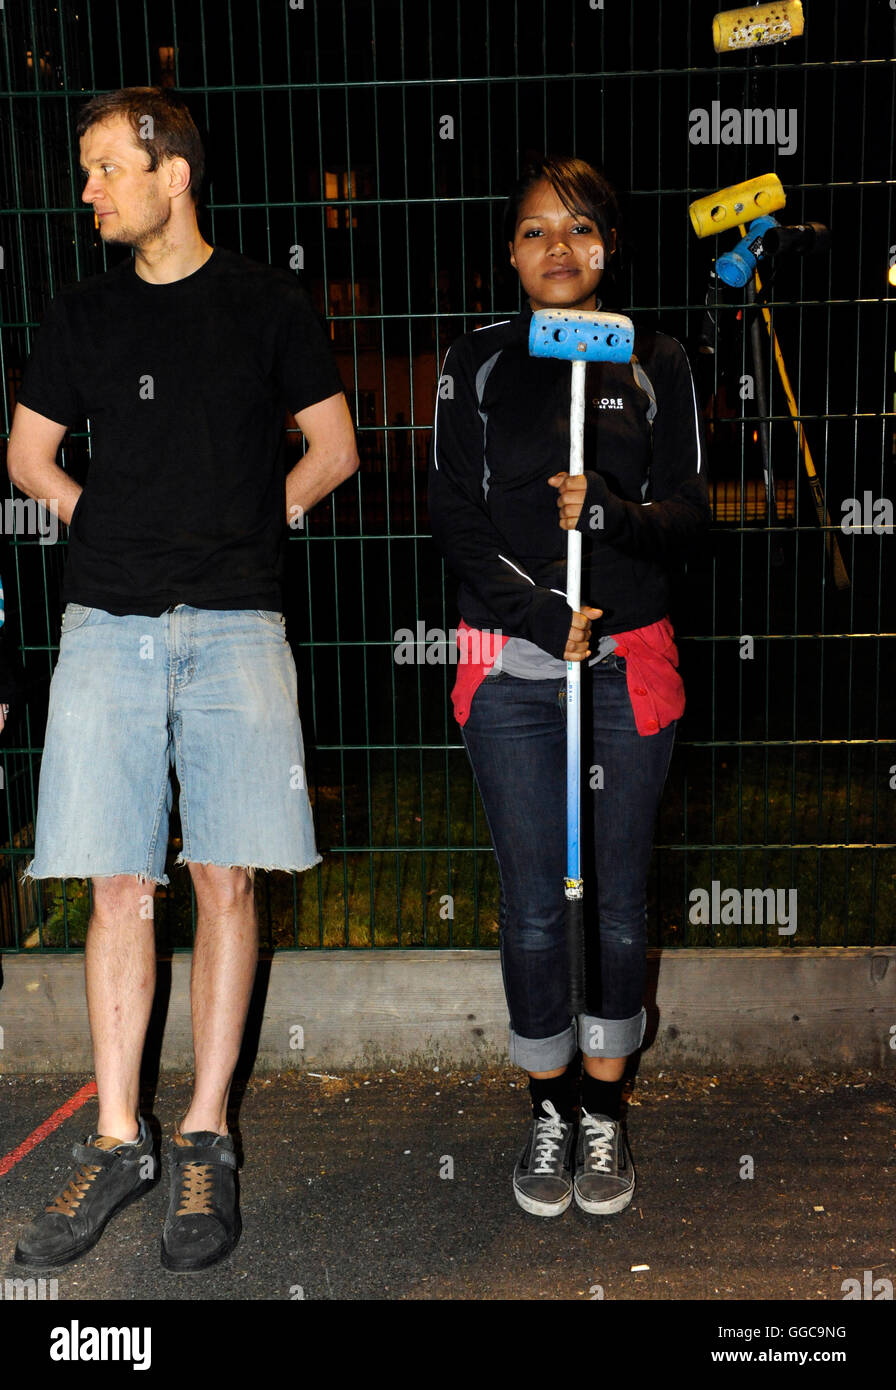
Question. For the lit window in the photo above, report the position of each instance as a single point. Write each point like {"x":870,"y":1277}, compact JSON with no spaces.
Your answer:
{"x":340,"y":185}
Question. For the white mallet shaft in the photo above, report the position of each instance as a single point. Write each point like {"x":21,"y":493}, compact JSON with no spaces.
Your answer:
{"x":573,"y":668}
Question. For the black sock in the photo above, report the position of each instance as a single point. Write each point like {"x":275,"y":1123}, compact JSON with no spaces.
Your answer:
{"x":601,"y":1097}
{"x":561,"y":1091}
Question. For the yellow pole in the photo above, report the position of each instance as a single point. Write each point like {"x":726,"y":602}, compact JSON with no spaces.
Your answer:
{"x":841,"y":578}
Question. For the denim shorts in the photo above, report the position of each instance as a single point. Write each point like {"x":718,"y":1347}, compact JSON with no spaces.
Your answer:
{"x":211,"y":693}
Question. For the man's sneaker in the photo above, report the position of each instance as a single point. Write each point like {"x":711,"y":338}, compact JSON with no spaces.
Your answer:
{"x":203,"y":1223}
{"x":542,"y":1179}
{"x":605,"y":1177}
{"x":110,"y":1174}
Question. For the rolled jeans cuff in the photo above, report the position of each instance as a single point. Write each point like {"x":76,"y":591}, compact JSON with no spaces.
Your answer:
{"x":611,"y":1037}
{"x":543,"y":1054}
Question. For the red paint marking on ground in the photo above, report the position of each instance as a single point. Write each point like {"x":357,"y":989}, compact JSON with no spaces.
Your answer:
{"x":80,"y":1098}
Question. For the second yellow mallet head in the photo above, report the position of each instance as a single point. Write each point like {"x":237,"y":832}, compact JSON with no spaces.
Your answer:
{"x":717,"y":212}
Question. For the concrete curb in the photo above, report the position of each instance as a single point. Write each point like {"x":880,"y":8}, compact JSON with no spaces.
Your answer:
{"x":825,"y":1008}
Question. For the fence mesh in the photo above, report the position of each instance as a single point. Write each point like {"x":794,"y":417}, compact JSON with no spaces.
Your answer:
{"x":369,"y":147}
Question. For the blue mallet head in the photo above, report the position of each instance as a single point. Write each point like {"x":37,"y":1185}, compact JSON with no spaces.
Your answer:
{"x":581,"y":335}
{"x":736,"y":267}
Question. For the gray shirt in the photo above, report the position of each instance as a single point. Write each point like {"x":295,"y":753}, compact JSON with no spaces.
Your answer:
{"x":521,"y":658}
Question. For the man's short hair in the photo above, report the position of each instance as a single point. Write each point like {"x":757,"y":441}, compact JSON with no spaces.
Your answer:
{"x":169,"y":132}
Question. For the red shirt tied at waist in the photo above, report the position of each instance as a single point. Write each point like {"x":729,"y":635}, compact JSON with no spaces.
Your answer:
{"x":655,"y":688}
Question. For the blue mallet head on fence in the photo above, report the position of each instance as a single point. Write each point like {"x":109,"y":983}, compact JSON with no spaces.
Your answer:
{"x":581,"y":335}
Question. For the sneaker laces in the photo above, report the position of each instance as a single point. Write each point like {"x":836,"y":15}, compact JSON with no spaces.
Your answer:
{"x":548,"y":1136}
{"x":196,"y":1190}
{"x":600,"y":1138}
{"x":75,"y":1190}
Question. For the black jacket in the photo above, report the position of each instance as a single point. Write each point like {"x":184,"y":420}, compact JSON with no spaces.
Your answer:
{"x":494,"y":516}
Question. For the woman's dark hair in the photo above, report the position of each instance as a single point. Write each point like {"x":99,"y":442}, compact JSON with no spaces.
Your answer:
{"x":170,"y":131}
{"x":580,"y":187}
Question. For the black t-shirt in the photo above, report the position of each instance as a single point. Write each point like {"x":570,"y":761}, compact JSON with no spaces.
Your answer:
{"x":186,"y":387}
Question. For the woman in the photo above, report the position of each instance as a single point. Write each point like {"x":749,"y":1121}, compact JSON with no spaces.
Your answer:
{"x":501,"y":501}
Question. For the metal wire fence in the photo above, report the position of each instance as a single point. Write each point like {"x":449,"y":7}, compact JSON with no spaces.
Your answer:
{"x":369,"y":146}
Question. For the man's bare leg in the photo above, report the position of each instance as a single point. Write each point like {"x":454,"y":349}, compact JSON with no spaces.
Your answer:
{"x":120,"y":970}
{"x":225,"y":956}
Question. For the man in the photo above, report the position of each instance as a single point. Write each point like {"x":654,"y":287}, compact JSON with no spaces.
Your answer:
{"x":185,"y":360}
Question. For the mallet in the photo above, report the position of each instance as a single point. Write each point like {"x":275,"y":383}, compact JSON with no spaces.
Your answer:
{"x":749,"y":28}
{"x":577,"y":336}
{"x":732,"y":207}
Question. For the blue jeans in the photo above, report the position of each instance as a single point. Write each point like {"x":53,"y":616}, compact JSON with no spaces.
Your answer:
{"x":209,"y":692}
{"x":516,"y":739}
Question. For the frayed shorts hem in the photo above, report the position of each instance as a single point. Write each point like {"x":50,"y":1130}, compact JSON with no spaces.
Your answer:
{"x":29,"y":874}
{"x":163,"y":879}
{"x":251,"y":868}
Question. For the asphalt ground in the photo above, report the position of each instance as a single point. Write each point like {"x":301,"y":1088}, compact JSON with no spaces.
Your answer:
{"x":396,"y":1186}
